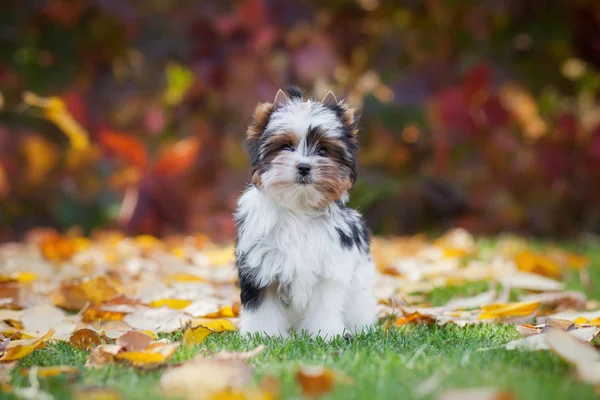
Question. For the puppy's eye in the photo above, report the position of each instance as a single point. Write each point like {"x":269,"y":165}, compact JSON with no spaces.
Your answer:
{"x":287,"y":147}
{"x":322,"y":152}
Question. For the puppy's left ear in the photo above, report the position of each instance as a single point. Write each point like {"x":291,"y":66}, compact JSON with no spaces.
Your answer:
{"x":330,"y":100}
{"x":349,"y":119}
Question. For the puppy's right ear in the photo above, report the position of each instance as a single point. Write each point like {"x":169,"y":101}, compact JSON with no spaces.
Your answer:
{"x":280,"y":99}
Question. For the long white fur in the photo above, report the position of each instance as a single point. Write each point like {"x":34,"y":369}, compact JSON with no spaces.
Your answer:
{"x":314,"y":283}
{"x":329,"y":287}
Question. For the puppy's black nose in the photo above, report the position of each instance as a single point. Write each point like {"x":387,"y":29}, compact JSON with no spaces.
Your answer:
{"x":304,"y":169}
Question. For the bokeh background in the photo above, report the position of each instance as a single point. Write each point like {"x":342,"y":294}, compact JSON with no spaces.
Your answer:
{"x":131,"y":113}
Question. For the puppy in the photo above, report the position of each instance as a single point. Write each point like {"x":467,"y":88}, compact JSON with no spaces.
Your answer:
{"x":302,"y":255}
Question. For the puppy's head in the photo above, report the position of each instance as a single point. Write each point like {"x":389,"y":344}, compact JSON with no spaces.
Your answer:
{"x":303,"y":152}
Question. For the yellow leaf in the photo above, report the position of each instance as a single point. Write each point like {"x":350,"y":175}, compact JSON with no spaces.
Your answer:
{"x":217,"y":325}
{"x":56,"y":111}
{"x":176,"y":304}
{"x":195,"y":335}
{"x":25,"y":277}
{"x":182,"y":277}
{"x":47,"y":372}
{"x":537,"y":264}
{"x":576,"y":261}
{"x":224,"y":312}
{"x":580,"y":320}
{"x":148,"y":242}
{"x":501,"y":310}
{"x":41,"y":156}
{"x":21,"y":350}
{"x":140,"y":358}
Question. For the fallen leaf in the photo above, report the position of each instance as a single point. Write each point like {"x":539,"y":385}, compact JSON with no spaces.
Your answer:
{"x":563,"y":324}
{"x":75,"y":294}
{"x":570,"y":348}
{"x":96,"y":393}
{"x":47,"y":372}
{"x":18,"y":349}
{"x":526,"y":331}
{"x":176,"y":304}
{"x":528,"y":261}
{"x":502,"y":310}
{"x":315,"y":380}
{"x":415,"y":318}
{"x":102,"y":355}
{"x":528,"y":281}
{"x":234,"y":355}
{"x":134,"y":341}
{"x":85,"y":339}
{"x":140,"y":358}
{"x":217,"y":325}
{"x":193,"y":336}
{"x":157,"y":320}
{"x":471,"y":302}
{"x":538,"y":342}
{"x":204,"y":378}
{"x":476,"y":394}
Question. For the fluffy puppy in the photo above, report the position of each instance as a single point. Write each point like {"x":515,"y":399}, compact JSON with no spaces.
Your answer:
{"x":303,"y":256}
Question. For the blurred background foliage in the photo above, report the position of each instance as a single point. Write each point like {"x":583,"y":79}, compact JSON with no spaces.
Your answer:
{"x":131,"y":113}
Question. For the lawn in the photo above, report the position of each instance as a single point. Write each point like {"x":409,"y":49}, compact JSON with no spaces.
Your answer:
{"x":408,"y":361}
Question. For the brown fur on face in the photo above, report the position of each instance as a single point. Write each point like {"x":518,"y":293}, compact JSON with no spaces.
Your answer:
{"x":260,"y":119}
{"x":332,"y":183}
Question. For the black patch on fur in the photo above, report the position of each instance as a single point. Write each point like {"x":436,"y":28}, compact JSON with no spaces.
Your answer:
{"x":252,"y":294}
{"x":294,"y":92}
{"x":345,"y":240}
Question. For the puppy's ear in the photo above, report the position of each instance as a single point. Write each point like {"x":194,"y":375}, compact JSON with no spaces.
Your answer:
{"x":349,"y":119}
{"x":330,"y":100}
{"x":261,"y":116}
{"x":280,"y":99}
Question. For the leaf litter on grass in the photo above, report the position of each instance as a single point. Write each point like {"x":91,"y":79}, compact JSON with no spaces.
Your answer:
{"x":112,"y":295}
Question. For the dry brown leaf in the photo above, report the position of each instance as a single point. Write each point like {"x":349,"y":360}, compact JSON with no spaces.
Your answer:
{"x":415,"y":318}
{"x":76,"y":294}
{"x":85,"y":339}
{"x":563,"y":324}
{"x":102,"y":355}
{"x":134,"y":341}
{"x":19,"y":349}
{"x":526,"y":330}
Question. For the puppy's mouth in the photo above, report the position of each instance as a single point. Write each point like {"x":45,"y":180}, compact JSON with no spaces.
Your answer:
{"x":304,"y":180}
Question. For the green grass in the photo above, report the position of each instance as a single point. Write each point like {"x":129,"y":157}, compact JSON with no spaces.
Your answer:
{"x":383,"y":365}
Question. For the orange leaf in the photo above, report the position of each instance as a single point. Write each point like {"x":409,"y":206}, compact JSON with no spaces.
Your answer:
{"x":315,"y":381}
{"x":76,"y":294}
{"x":57,"y":248}
{"x":178,"y":158}
{"x":415,"y":318}
{"x":125,"y":147}
{"x":85,"y":339}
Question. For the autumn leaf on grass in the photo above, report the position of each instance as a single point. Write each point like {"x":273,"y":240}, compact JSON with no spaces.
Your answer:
{"x":102,"y":355}
{"x":48,"y":372}
{"x":18,"y":349}
{"x":193,"y":336}
{"x":415,"y":318}
{"x":235,"y":355}
{"x":114,"y":309}
{"x":502,"y":310}
{"x":85,"y":339}
{"x":176,"y":304}
{"x":217,"y":325}
{"x":582,"y":354}
{"x":55,"y":109}
{"x":528,"y":261}
{"x":318,"y":380}
{"x":135,"y":349}
{"x":209,"y":379}
{"x":134,"y":341}
{"x":476,"y":394}
{"x":75,"y":294}
{"x":157,"y":320}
